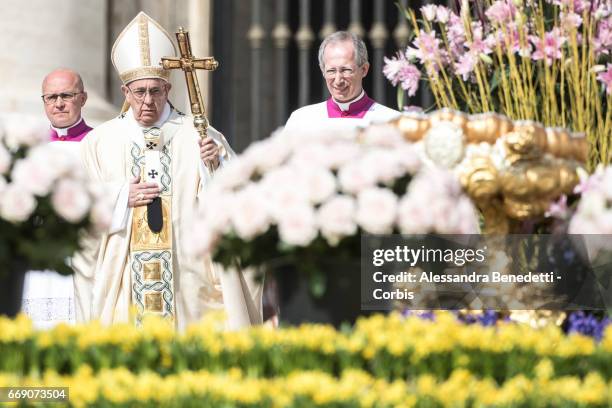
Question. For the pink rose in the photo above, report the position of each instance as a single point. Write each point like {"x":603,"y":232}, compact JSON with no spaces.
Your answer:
{"x":376,"y":210}
{"x":297,"y":225}
{"x":70,"y":200}
{"x":336,"y":218}
{"x":16,"y":203}
{"x":249,"y":213}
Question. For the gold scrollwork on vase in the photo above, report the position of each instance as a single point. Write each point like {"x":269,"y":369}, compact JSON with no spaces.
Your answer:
{"x":519,"y":168}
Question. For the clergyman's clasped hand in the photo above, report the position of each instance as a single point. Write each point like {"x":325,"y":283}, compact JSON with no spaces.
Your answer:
{"x":141,"y":193}
{"x":209,"y":152}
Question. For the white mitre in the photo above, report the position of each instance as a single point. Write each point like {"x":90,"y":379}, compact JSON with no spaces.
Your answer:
{"x":138,"y":50}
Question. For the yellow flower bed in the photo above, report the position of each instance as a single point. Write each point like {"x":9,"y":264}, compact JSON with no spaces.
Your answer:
{"x":389,"y":347}
{"x":354,"y":388}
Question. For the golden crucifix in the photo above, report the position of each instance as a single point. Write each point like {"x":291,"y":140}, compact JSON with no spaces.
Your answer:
{"x":188,"y":64}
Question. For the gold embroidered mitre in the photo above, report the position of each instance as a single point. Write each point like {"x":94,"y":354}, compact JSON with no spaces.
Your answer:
{"x":139,"y":48}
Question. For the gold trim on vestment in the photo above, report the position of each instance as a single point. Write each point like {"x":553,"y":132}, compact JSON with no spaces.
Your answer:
{"x":143,"y":40}
{"x":153,"y":302}
{"x":152,"y":270}
{"x":143,"y":238}
{"x":144,"y":72}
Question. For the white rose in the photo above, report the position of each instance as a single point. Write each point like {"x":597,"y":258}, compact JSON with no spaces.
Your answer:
{"x":5,"y":159}
{"x":356,"y":176}
{"x":468,"y":217}
{"x":383,"y":135}
{"x":444,"y":215}
{"x":409,"y":158}
{"x":269,"y":153}
{"x":312,"y":154}
{"x":71,"y":200}
{"x":284,"y":187}
{"x":376,"y":210}
{"x":285,"y":196}
{"x":34,"y":176}
{"x":336,"y":218}
{"x":22,"y":130}
{"x":385,"y":164}
{"x":297,"y":225}
{"x":58,"y":160}
{"x":324,"y":133}
{"x":249,"y":213}
{"x":319,"y":183}
{"x":16,"y":203}
{"x":434,"y":182}
{"x":282,"y":176}
{"x":414,"y":215}
{"x":342,"y":152}
{"x":234,"y":174}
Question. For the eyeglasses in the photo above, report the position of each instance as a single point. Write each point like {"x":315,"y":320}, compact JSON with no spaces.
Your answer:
{"x":141,"y":93}
{"x":344,"y":72}
{"x":50,"y":99}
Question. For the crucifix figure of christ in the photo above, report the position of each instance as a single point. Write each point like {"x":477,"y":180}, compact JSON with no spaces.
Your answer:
{"x":188,"y":64}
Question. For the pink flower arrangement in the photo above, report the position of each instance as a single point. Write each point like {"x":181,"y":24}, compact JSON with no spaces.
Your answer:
{"x":399,"y":71}
{"x":606,"y":78}
{"x":528,"y":60}
{"x":45,"y":200}
{"x":318,"y":208}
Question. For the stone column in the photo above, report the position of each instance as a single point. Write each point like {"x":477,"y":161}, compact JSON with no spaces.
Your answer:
{"x":281,"y":35}
{"x":38,"y":36}
{"x":378,"y":36}
{"x":304,"y":38}
{"x":256,"y":36}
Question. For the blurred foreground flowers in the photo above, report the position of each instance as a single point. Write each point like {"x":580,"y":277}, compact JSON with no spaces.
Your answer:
{"x":383,"y":361}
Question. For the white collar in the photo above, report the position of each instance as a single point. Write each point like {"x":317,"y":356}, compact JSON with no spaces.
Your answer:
{"x":344,"y":106}
{"x":63,"y":132}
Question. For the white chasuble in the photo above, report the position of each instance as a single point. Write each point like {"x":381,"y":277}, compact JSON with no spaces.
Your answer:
{"x":154,"y":273}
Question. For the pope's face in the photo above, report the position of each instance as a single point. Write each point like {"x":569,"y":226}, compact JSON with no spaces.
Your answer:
{"x":63,"y":112}
{"x":342,"y":76}
{"x":147,"y":98}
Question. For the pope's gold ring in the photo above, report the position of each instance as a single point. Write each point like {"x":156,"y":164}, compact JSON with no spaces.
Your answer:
{"x":139,"y":197}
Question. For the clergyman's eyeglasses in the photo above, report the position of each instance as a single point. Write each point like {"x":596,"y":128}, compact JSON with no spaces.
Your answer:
{"x":50,"y":99}
{"x":344,"y":72}
{"x":141,"y":93}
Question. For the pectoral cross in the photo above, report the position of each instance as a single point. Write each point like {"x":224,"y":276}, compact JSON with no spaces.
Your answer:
{"x":188,"y":64}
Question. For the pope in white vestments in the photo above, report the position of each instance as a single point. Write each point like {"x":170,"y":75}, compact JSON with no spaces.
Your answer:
{"x":343,"y":59}
{"x":153,"y":163}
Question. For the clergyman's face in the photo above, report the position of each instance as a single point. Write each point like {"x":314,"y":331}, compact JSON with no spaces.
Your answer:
{"x":147,"y":98}
{"x":63,"y":113}
{"x":342,"y":75}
